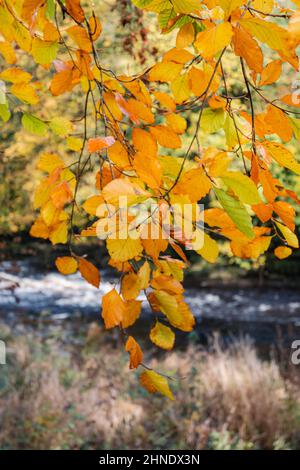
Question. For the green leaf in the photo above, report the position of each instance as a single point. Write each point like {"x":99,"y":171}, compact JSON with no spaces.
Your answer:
{"x":230,"y":132}
{"x":61,"y":126}
{"x":141,"y":3}
{"x":50,"y":9}
{"x":44,"y":52}
{"x":296,"y":127}
{"x":236,"y":211}
{"x":165,"y":16}
{"x":4,"y":112}
{"x":242,"y":186}
{"x":34,"y":125}
{"x":185,"y":6}
{"x":212,"y":121}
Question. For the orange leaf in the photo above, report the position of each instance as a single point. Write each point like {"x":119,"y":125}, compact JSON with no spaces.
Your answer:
{"x":89,"y":272}
{"x":80,"y":36}
{"x":96,"y":27}
{"x":100,"y":143}
{"x":283,"y":252}
{"x":113,"y":308}
{"x":136,"y":355}
{"x":131,"y":313}
{"x":66,"y":265}
{"x":271,"y":73}
{"x":166,"y":137}
{"x":75,"y":10}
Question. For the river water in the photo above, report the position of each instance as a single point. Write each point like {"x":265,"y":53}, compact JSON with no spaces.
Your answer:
{"x":260,"y":313}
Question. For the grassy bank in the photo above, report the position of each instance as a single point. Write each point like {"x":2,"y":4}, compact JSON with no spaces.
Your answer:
{"x":70,"y":388}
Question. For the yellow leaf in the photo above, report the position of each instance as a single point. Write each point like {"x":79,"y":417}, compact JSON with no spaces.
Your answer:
{"x":111,"y":109}
{"x":92,"y":204}
{"x":165,"y":72}
{"x":124,"y":250}
{"x":22,"y":36}
{"x":8,"y":52}
{"x":181,"y":88}
{"x":167,"y":283}
{"x":74,"y":143}
{"x":89,"y":272}
{"x":187,"y":320}
{"x":186,"y":6}
{"x":229,"y":6}
{"x":265,"y":6}
{"x":15,"y":75}
{"x":162,"y":336}
{"x":25,"y":92}
{"x":209,"y":250}
{"x":59,"y":234}
{"x":144,"y":275}
{"x":168,"y":306}
{"x":269,"y":33}
{"x":289,"y":236}
{"x":179,"y":56}
{"x":283,"y":252}
{"x":136,"y":355}
{"x":282,"y":155}
{"x":154,"y":382}
{"x":113,"y":309}
{"x":212,"y":41}
{"x":48,"y":162}
{"x":66,"y":265}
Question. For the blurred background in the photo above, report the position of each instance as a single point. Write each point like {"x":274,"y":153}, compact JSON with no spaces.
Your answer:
{"x":66,"y":384}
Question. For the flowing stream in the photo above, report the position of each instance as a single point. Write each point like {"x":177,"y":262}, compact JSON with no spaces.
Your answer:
{"x":260,"y":313}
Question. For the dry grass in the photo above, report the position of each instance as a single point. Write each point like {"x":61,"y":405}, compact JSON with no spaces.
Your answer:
{"x":72,"y":389}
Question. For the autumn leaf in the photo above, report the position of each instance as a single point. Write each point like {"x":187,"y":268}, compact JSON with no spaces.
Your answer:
{"x":75,"y":10}
{"x":282,"y":156}
{"x":100,"y":143}
{"x":136,"y":355}
{"x":212,"y":41}
{"x":162,"y":336}
{"x":283,"y":252}
{"x":89,"y":272}
{"x":156,"y":383}
{"x":113,"y":309}
{"x":124,"y":250}
{"x":66,"y":265}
